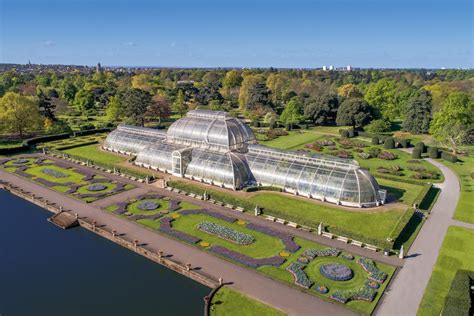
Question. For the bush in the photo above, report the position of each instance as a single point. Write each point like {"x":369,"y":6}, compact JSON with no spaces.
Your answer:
{"x":262,"y":188}
{"x":364,"y":155}
{"x":375,"y":140}
{"x":405,"y":143}
{"x":389,"y":143}
{"x":448,"y":157}
{"x":433,"y":152}
{"x":378,"y":126}
{"x":386,"y":155}
{"x":374,"y":152}
{"x":416,"y":153}
{"x":351,"y":132}
{"x":458,"y":300}
{"x":422,"y":146}
{"x":344,"y":133}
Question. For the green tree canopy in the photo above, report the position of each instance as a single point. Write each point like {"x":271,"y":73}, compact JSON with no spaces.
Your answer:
{"x":322,"y":109}
{"x":136,"y":103}
{"x":354,"y":112}
{"x":453,"y":125}
{"x":19,"y":114}
{"x":179,"y":105}
{"x":291,"y":115}
{"x":418,"y":113}
{"x":382,"y":96}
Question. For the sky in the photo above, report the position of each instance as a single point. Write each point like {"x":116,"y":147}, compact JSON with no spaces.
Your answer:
{"x":230,"y":33}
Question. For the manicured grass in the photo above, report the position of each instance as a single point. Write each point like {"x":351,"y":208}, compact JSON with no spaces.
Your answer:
{"x":109,"y":186}
{"x":149,"y":223}
{"x":188,"y":206}
{"x":71,"y":175}
{"x":263,"y":246}
{"x":9,"y":143}
{"x":400,"y":191}
{"x":293,"y":140}
{"x":457,"y":252}
{"x":463,"y":169}
{"x":228,"y":302}
{"x":376,"y":225}
{"x":93,"y":153}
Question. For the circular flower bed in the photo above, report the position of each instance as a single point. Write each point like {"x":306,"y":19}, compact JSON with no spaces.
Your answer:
{"x":372,"y":284}
{"x":284,"y":254}
{"x":148,"y":206}
{"x":96,"y":187}
{"x":321,"y":289}
{"x":20,"y":161}
{"x":336,"y":272}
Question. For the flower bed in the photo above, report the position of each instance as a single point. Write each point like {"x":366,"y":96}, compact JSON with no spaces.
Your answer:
{"x":287,"y":239}
{"x":275,"y":261}
{"x":226,"y":233}
{"x":300,"y":276}
{"x":364,"y":294}
{"x":20,"y":161}
{"x":336,"y":272}
{"x":348,"y":256}
{"x":96,"y":187}
{"x":321,"y":289}
{"x":54,"y":173}
{"x":328,"y":252}
{"x":165,"y":227}
{"x":372,"y":284}
{"x":148,"y":205}
{"x":173,"y":205}
{"x":374,"y":273}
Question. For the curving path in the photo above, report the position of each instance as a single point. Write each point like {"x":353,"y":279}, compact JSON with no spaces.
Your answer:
{"x":406,"y":291}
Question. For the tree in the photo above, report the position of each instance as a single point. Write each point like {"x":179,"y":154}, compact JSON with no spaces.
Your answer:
{"x":354,"y":112}
{"x":45,"y":105}
{"x":382,"y":96}
{"x":179,"y":105}
{"x":322,"y":109}
{"x":142,"y":81}
{"x":159,"y":108}
{"x":291,"y":114}
{"x":378,"y":126}
{"x":232,"y":79}
{"x":349,"y":90}
{"x":418,"y":113}
{"x":207,"y":94}
{"x":270,"y":119}
{"x":136,"y":102}
{"x":69,"y":91}
{"x":453,"y":125}
{"x":114,"y":110}
{"x":19,"y":114}
{"x":84,"y":101}
{"x":254,"y":93}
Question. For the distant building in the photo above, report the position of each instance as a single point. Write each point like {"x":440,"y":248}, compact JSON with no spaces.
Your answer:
{"x":98,"y":68}
{"x":331,"y":67}
{"x":325,"y":68}
{"x":349,"y":68}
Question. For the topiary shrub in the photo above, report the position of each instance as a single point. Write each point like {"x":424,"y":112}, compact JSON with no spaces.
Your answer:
{"x":433,"y":152}
{"x":422,"y":146}
{"x":416,"y":153}
{"x":448,"y":157}
{"x":405,"y":143}
{"x":344,"y":133}
{"x":375,"y":140}
{"x":351,"y":132}
{"x":389,"y":143}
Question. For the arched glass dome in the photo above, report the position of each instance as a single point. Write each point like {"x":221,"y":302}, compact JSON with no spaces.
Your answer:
{"x":132,"y":139}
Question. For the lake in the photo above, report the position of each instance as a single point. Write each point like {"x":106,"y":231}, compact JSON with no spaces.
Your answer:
{"x":45,"y":270}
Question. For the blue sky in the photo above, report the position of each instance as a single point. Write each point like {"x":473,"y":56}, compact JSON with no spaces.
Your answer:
{"x":229,"y":33}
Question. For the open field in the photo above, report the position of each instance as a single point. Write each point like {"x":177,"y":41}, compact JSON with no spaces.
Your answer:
{"x":464,"y":170}
{"x":456,"y":253}
{"x":228,"y":302}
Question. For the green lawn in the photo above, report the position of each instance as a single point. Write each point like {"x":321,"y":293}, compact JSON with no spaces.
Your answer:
{"x":93,"y":153}
{"x":228,"y":302}
{"x":71,"y":176}
{"x":9,"y":143}
{"x":263,"y":246}
{"x":400,"y":191}
{"x":133,"y":207}
{"x":457,"y":252}
{"x":463,"y":169}
{"x":376,"y":225}
{"x":293,"y":140}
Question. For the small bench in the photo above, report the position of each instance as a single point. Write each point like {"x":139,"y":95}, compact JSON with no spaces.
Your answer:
{"x":356,"y":243}
{"x":280,"y":221}
{"x":229,"y":205}
{"x":371,"y":247}
{"x":343,"y":239}
{"x":212,"y":201}
{"x":199,"y":197}
{"x":270,"y":218}
{"x":192,"y":195}
{"x":240,"y":209}
{"x":328,"y":235}
{"x":292,"y":224}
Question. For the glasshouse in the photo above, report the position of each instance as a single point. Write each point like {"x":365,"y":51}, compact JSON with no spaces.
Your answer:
{"x":216,"y":148}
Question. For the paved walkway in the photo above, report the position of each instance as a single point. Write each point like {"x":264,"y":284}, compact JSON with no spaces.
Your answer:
{"x":284,"y":297}
{"x":406,"y":291}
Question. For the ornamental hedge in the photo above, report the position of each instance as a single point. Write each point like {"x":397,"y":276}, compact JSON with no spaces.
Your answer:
{"x":448,"y":157}
{"x":416,"y":153}
{"x":375,"y":140}
{"x":262,"y":188}
{"x":422,"y":146}
{"x":433,"y":152}
{"x":389,"y":143}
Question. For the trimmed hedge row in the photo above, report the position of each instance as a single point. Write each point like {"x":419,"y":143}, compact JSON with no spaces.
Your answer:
{"x":401,"y":224}
{"x":423,"y":194}
{"x":448,"y":157}
{"x":226,"y":198}
{"x":66,"y":147}
{"x":92,"y":131}
{"x":410,"y":181}
{"x":459,"y":299}
{"x":262,"y":188}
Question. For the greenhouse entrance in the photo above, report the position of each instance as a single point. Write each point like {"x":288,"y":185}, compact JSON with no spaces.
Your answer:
{"x":177,"y":166}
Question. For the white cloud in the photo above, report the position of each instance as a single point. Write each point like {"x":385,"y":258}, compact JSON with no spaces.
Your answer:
{"x":48,"y":43}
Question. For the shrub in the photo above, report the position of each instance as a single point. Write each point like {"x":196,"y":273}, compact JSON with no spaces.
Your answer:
{"x":458,"y":300}
{"x":375,"y":140}
{"x":351,"y":132}
{"x":416,"y":153}
{"x":378,"y":126}
{"x":433,"y":152}
{"x":262,"y":188}
{"x":422,"y":146}
{"x":374,"y":152}
{"x":364,"y":155}
{"x":405,"y":143}
{"x":389,"y":143}
{"x":344,"y":133}
{"x":386,"y":155}
{"x":448,"y":157}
